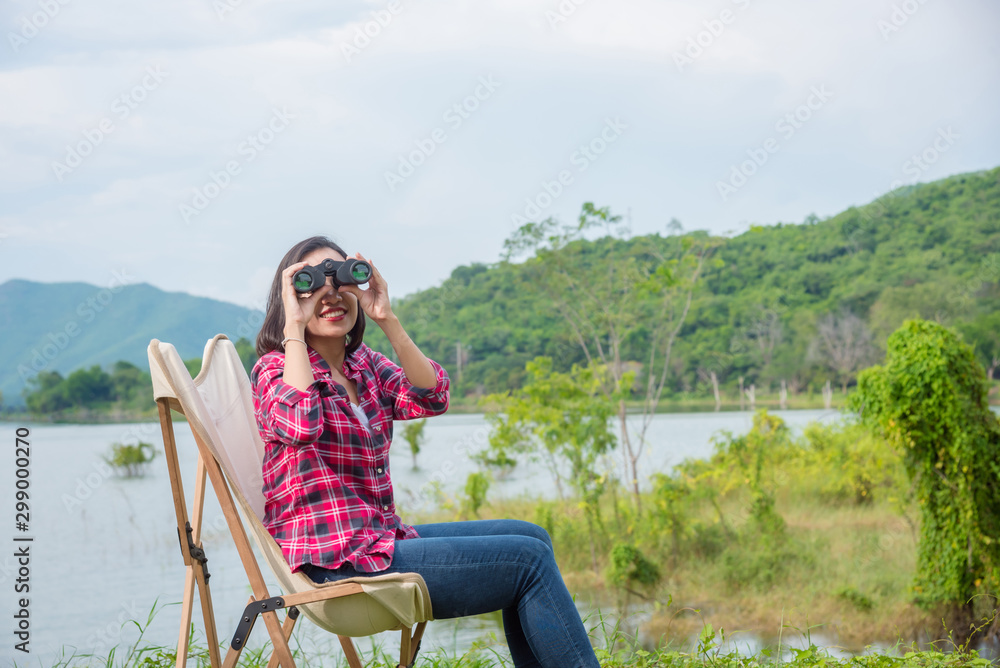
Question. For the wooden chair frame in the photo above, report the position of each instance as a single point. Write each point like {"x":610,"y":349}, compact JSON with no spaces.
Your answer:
{"x":262,"y":602}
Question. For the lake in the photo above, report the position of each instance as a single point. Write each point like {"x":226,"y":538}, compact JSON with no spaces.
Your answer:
{"x":106,"y":549}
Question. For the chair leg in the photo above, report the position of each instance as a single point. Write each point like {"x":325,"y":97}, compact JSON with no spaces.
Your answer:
{"x":404,"y":647}
{"x":208,"y":615}
{"x":352,"y":655}
{"x":286,"y":628}
{"x":415,"y":643}
{"x":232,"y":656}
{"x":187,"y":603}
{"x":409,"y":645}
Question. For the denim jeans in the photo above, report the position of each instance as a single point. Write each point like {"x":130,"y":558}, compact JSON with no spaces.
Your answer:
{"x":476,"y":567}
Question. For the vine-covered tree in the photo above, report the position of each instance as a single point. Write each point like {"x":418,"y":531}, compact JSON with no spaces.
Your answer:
{"x":929,"y":399}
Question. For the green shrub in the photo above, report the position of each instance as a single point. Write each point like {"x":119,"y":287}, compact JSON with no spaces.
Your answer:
{"x":130,"y":461}
{"x":855,"y":598}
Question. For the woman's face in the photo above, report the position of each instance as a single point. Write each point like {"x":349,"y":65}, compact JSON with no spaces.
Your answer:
{"x":335,"y":312}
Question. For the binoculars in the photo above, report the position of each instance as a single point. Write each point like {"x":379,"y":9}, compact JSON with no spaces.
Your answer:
{"x":348,"y":272}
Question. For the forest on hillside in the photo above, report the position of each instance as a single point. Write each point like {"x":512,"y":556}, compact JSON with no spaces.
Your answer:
{"x":800,"y":304}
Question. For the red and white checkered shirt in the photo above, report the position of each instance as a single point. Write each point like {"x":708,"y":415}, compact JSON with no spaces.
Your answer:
{"x":328,"y":494}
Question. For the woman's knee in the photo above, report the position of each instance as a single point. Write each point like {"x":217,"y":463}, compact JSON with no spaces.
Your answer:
{"x":532,"y":531}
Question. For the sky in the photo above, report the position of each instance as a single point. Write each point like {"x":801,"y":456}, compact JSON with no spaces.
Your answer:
{"x":188,"y":144}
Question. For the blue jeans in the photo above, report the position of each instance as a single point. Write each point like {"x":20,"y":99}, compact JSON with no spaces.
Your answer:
{"x":476,"y":567}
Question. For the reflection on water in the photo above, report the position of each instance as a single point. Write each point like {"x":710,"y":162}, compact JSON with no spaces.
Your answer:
{"x":106,"y":549}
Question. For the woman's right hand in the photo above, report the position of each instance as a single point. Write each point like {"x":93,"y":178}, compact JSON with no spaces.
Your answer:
{"x":299,"y":307}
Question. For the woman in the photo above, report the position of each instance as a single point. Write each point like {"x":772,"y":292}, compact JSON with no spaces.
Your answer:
{"x":325,"y":405}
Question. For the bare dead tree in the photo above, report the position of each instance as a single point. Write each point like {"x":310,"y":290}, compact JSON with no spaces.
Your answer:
{"x":844,"y":342}
{"x":712,"y":377}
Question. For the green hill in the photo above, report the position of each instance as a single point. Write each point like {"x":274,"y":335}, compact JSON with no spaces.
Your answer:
{"x":929,"y":250}
{"x":67,"y":326}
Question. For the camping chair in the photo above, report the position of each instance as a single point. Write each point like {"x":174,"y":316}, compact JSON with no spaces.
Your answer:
{"x":219,"y":408}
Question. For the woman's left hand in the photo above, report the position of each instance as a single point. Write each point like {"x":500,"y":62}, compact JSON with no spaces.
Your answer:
{"x":375,"y":300}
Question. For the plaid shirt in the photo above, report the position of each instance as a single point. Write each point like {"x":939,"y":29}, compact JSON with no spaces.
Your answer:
{"x":328,"y":494}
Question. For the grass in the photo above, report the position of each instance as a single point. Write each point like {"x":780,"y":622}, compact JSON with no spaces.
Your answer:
{"x":843,"y":570}
{"x":847,"y":577}
{"x":619,"y":651}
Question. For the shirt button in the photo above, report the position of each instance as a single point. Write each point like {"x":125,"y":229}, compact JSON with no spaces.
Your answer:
{"x":378,"y":470}
{"x":385,"y":507}
{"x":378,"y":428}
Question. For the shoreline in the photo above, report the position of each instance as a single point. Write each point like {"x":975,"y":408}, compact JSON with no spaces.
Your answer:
{"x":457,"y":408}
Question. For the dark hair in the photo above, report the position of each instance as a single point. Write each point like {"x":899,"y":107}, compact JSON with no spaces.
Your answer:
{"x":273,"y":330}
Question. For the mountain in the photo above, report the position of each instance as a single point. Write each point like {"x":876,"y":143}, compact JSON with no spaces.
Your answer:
{"x":66,"y":326}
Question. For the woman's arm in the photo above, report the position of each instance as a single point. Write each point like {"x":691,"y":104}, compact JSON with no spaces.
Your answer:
{"x":284,"y":412}
{"x":415,"y":364}
{"x":375,"y":303}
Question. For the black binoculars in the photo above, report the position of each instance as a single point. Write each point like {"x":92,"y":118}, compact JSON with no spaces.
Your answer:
{"x":348,"y":272}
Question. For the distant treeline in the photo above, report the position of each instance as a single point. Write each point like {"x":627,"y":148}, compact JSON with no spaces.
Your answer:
{"x":125,"y":388}
{"x":800,"y":303}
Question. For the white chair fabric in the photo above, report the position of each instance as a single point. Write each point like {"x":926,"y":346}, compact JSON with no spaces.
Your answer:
{"x":218,"y":404}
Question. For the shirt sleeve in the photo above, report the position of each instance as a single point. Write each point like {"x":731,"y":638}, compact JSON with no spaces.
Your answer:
{"x":409,"y":402}
{"x":287,"y":413}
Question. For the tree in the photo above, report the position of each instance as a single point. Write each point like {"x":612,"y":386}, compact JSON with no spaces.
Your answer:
{"x":562,"y":419}
{"x":247,"y":352}
{"x":85,"y":387}
{"x":929,"y":399}
{"x":413,"y":432}
{"x":641,"y":293}
{"x":845,"y":344}
{"x":46,"y":393}
{"x":983,"y":334}
{"x":128,"y":381}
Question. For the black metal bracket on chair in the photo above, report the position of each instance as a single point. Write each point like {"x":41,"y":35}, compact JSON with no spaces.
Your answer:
{"x":250,"y":616}
{"x":196,"y":553}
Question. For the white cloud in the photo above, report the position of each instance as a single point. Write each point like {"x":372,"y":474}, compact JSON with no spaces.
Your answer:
{"x":354,"y":118}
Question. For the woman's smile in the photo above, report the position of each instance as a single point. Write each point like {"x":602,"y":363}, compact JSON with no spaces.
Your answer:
{"x":334,"y":314}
